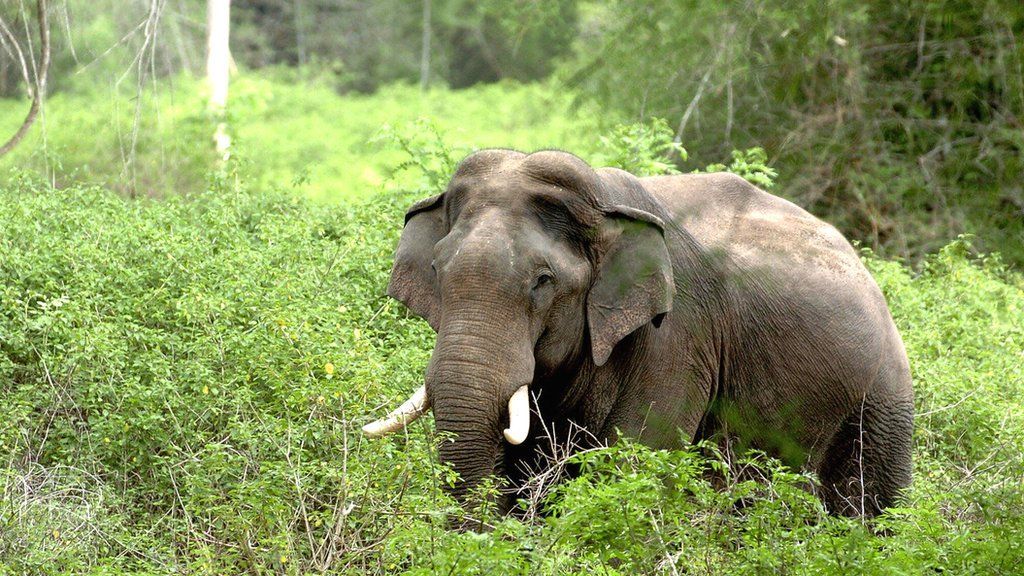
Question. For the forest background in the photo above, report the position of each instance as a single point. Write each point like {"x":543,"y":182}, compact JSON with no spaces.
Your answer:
{"x":900,"y":122}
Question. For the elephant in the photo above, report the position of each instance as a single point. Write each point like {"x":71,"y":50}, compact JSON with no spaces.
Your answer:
{"x":669,"y":309}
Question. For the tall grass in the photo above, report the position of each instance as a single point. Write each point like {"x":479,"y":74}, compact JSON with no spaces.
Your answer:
{"x":292,"y":135}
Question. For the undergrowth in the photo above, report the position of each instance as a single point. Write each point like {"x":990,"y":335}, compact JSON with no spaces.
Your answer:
{"x":183,"y":381}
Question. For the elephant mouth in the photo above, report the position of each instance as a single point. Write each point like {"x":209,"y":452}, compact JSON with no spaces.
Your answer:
{"x":418,"y":404}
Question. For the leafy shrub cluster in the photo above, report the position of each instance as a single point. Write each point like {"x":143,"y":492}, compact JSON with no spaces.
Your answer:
{"x":183,"y":380}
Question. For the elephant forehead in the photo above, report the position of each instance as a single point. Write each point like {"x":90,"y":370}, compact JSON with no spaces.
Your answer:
{"x":497,"y":240}
{"x":541,"y":208}
{"x":484,"y":240}
{"x":471,"y":196}
{"x":516,"y":183}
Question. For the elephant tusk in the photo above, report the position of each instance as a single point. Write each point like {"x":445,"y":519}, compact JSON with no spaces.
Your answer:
{"x":412,"y":409}
{"x":518,"y":416}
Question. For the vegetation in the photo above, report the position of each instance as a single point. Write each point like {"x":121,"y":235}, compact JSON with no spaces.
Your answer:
{"x":184,"y":379}
{"x":286,"y":135}
{"x":898,"y":122}
{"x":189,"y":347}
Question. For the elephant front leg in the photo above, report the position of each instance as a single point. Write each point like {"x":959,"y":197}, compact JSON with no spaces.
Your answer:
{"x":536,"y":466}
{"x":520,"y":469}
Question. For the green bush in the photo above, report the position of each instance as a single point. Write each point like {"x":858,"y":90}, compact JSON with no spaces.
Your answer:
{"x":644,"y":149}
{"x":183,"y":381}
{"x":197,"y":359}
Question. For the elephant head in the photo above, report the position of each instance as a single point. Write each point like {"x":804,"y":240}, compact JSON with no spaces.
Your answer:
{"x":525,"y":266}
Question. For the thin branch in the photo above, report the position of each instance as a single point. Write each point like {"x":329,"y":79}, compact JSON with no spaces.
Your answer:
{"x":67,"y":30}
{"x":40,"y":90}
{"x":124,"y":39}
{"x":693,"y":103}
{"x":10,"y":42}
{"x":150,"y":28}
{"x":703,"y":84}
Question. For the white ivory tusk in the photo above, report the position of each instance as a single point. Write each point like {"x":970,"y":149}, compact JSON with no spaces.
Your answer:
{"x":518,"y":416}
{"x":412,"y":409}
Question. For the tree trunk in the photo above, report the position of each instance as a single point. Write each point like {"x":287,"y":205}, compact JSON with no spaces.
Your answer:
{"x":300,"y":32}
{"x":425,"y":47}
{"x":218,"y":59}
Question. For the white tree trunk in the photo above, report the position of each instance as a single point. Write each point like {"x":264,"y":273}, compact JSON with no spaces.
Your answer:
{"x":300,"y":31}
{"x":218,"y":62}
{"x":425,"y":47}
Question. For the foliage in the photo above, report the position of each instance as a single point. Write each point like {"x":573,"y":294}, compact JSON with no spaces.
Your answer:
{"x":645,"y":149}
{"x":184,"y":379}
{"x":97,"y":39}
{"x":291,"y":134}
{"x":897,"y":121}
{"x":491,"y":40}
{"x":350,"y":46}
{"x":368,"y":45}
{"x":184,"y":368}
{"x":752,"y":164}
{"x":188,"y":366}
{"x":428,"y":155}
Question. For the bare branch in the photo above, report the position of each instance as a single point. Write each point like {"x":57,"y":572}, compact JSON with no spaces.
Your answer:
{"x":13,"y":49}
{"x":40,"y":84}
{"x":703,"y":84}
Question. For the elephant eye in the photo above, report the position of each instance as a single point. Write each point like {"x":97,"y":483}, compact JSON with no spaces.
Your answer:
{"x":543,"y":279}
{"x":433,"y":267}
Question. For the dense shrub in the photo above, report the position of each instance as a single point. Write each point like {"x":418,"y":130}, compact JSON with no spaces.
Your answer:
{"x":182,"y":383}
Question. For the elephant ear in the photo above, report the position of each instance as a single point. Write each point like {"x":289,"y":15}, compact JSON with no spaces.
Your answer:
{"x":413,"y":281}
{"x":634,"y":283}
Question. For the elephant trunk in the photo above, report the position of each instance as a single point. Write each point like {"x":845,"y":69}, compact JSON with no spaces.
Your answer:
{"x":475,"y":377}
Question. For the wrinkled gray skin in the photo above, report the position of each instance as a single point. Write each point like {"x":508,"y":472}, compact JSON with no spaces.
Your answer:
{"x":670,"y":308}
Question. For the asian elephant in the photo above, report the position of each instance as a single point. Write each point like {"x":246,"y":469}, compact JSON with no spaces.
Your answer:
{"x":668,"y":308}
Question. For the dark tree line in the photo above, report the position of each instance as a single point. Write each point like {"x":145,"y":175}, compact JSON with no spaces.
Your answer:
{"x":365,"y":44}
{"x":899,"y":121}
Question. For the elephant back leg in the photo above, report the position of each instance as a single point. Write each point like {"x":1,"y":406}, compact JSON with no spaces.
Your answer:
{"x":868,"y":462}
